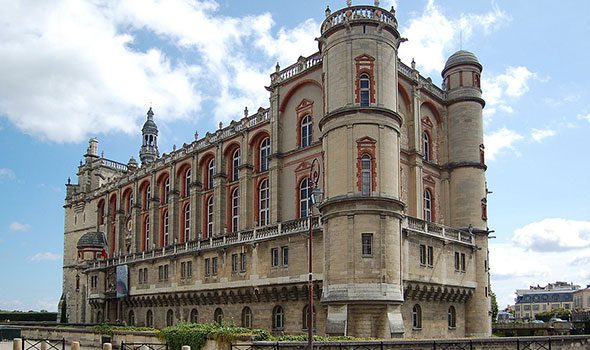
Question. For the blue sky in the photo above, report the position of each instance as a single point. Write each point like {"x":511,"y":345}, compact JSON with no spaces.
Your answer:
{"x":70,"y":70}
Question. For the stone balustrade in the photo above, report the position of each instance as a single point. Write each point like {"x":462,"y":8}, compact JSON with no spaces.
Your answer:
{"x":442,"y":231}
{"x":358,"y":13}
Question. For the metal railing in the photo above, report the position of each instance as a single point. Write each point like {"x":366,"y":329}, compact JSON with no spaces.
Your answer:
{"x":143,"y":346}
{"x":43,"y":344}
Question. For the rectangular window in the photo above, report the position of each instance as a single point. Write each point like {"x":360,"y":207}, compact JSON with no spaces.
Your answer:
{"x":285,"y":254}
{"x":459,"y":262}
{"x":234,"y":263}
{"x":274,"y":257}
{"x":430,"y":256}
{"x":367,"y":244}
{"x":214,"y":266}
{"x":243,"y":262}
{"x":527,"y":308}
{"x":462,"y":262}
{"x":426,"y":255}
{"x":422,"y":254}
{"x":161,"y":273}
{"x":189,"y":269}
{"x":140,"y":276}
{"x":207,"y":267}
{"x":183,"y":270}
{"x":166,"y":272}
{"x":535,"y":307}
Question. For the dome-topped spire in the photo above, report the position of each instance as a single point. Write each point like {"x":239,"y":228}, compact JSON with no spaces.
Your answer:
{"x":149,"y":148}
{"x":462,"y":57}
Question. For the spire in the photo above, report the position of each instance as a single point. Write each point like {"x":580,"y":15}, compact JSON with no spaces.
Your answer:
{"x":149,"y":147}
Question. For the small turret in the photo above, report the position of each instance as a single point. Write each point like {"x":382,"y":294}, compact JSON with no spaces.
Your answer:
{"x":149,"y":148}
{"x":132,"y":164}
{"x":92,"y":150}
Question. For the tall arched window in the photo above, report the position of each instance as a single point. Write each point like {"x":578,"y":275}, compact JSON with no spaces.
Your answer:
{"x":306,"y":131}
{"x":417,"y":317}
{"x":246,"y":317}
{"x":169,"y":318}
{"x":263,"y":203}
{"x":194,"y":317}
{"x":218,"y":315}
{"x":365,"y":89}
{"x":235,"y":174}
{"x":427,"y":205}
{"x":452,"y":317}
{"x":187,"y":222}
{"x":165,"y":229}
{"x":148,"y":197}
{"x":149,"y":318}
{"x":304,"y":193}
{"x":278,"y":318}
{"x":165,"y":191}
{"x":366,"y":175}
{"x":131,"y":318}
{"x":426,"y":147}
{"x":210,"y":173}
{"x":101,"y":212}
{"x":209,"y":217}
{"x":264,"y":154}
{"x":235,"y":210}
{"x":128,"y":202}
{"x":305,"y":316}
{"x":187,"y":182}
{"x":146,"y":238}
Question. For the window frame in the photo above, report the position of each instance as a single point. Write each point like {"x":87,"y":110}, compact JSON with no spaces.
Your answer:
{"x":247,"y":317}
{"x":364,"y":91}
{"x":264,"y":154}
{"x":210,"y":173}
{"x":426,"y":147}
{"x":304,"y":194}
{"x":209,"y":217}
{"x":367,"y":244}
{"x":236,"y":160}
{"x":263,"y":203}
{"x":417,"y":317}
{"x":306,"y":130}
{"x":165,"y":229}
{"x":366,"y":174}
{"x":278,"y":318}
{"x":452,"y":317}
{"x":187,"y":222}
{"x":427,"y":207}
{"x":235,"y":210}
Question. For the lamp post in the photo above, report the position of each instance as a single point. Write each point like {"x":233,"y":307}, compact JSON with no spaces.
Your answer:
{"x":315,"y":197}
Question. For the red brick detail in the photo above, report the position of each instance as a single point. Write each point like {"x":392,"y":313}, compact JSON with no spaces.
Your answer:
{"x":366,"y":145}
{"x":294,"y":89}
{"x":365,"y":64}
{"x":304,"y":109}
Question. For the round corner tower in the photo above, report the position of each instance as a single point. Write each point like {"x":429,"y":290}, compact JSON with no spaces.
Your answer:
{"x":362,"y":212}
{"x":468,"y":192}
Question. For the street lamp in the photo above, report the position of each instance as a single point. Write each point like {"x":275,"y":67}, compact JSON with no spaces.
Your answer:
{"x":315,"y":198}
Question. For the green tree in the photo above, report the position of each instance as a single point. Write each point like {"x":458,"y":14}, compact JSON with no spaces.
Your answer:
{"x":494,"y":307}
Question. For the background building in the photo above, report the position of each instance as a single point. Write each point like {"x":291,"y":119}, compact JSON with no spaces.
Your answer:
{"x":216,"y":230}
{"x":558,"y":295}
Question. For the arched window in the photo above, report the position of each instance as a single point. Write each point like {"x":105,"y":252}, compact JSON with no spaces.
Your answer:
{"x":131,"y":318}
{"x":452,"y":317}
{"x":99,"y":317}
{"x":194,"y":318}
{"x":365,"y":89}
{"x":304,"y":194}
{"x":169,"y":318}
{"x":426,"y":147}
{"x":165,"y":191}
{"x":210,"y":173}
{"x":187,"y":222}
{"x":148,"y":197}
{"x":235,"y":210}
{"x":366,"y":174}
{"x":306,"y":131}
{"x":417,"y":317}
{"x":187,"y":182}
{"x":278,"y":318}
{"x":263,"y":203}
{"x":235,"y":171}
{"x":165,"y":229}
{"x":264,"y":154}
{"x":101,"y":212}
{"x":128,"y":202}
{"x":209,"y":218}
{"x":149,"y":319}
{"x":305,"y":321}
{"x":246,"y":317}
{"x":218,"y":315}
{"x":146,"y":237}
{"x":427,"y":205}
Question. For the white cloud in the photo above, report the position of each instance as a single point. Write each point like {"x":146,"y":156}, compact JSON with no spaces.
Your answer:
{"x":539,"y":135}
{"x":6,"y":175}
{"x":584,"y":117}
{"x":45,"y":256}
{"x":500,"y":90}
{"x":432,"y":35}
{"x":550,"y":235}
{"x":499,"y":140}
{"x":19,"y":227}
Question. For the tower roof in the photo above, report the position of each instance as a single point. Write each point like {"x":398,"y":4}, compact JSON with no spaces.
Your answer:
{"x":92,"y":240}
{"x":462,"y":57}
{"x":150,"y":126}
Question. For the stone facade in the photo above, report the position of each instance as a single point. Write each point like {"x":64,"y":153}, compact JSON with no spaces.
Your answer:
{"x":218,"y":229}
{"x":537,"y":299}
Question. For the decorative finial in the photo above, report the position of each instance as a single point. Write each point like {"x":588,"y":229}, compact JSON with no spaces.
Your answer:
{"x":69,"y":180}
{"x":245,"y":111}
{"x":376,"y":3}
{"x":348,"y":3}
{"x":392,"y":10}
{"x":220,"y":125}
{"x":174,"y":148}
{"x":413,"y":63}
{"x":277,"y":67}
{"x":102,"y":154}
{"x":150,"y":113}
{"x":196,"y":135}
{"x":328,"y":11}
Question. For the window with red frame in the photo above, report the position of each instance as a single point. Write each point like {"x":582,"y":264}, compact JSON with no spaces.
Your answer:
{"x":428,"y":205}
{"x":304,"y":194}
{"x":235,"y":173}
{"x":264,"y":154}
{"x":235,"y":210}
{"x":263,"y":203}
{"x":306,"y":131}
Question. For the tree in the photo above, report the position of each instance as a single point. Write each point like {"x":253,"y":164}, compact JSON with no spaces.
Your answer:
{"x":494,"y":307}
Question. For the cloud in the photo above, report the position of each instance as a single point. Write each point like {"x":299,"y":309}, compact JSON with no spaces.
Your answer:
{"x":553,"y":235}
{"x":499,"y":140}
{"x":46,"y":256}
{"x":71,"y":69}
{"x":6,"y":175}
{"x":19,"y":227}
{"x":539,"y":135}
{"x":432,"y":35}
{"x":500,"y":90}
{"x":584,"y":117}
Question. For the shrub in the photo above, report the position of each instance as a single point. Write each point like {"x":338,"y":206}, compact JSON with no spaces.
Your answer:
{"x":195,"y":335}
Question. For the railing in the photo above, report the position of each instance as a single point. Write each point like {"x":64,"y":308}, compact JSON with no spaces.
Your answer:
{"x":426,"y":83}
{"x":302,"y":64}
{"x":143,"y":346}
{"x":281,"y":229}
{"x":355,"y":13}
{"x":43,"y":344}
{"x":113,"y":165}
{"x":446,"y":232}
